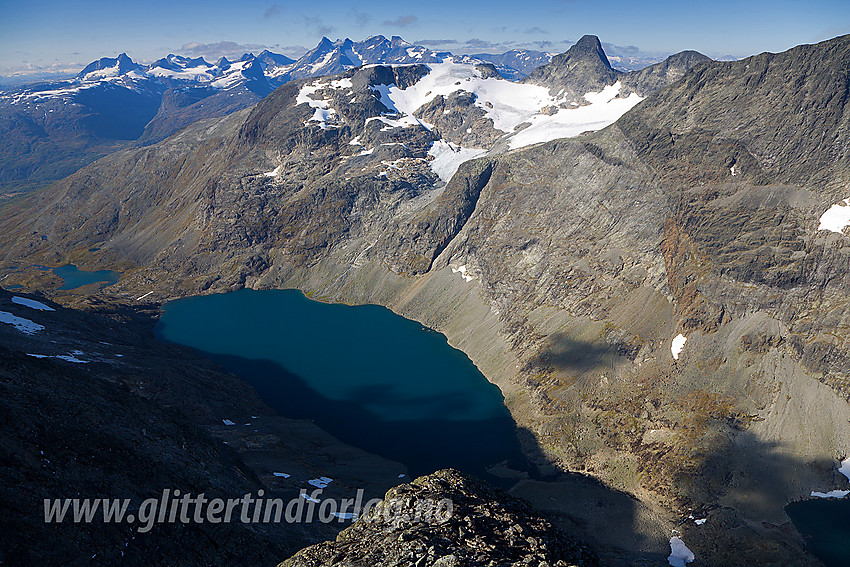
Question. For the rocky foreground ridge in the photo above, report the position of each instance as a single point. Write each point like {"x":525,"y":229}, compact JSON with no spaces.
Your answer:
{"x":564,"y":269}
{"x":482,"y":526}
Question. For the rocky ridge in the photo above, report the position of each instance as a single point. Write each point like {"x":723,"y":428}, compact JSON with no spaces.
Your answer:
{"x":481,"y":526}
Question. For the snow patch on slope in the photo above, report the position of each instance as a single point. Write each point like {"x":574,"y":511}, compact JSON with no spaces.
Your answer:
{"x":844,"y":468}
{"x":66,"y":357}
{"x":830,"y":494}
{"x":23,"y":325}
{"x":31,"y":303}
{"x":678,"y":345}
{"x":448,"y":157}
{"x":837,"y":218}
{"x":462,"y":271}
{"x":680,"y":555}
{"x":323,"y":111}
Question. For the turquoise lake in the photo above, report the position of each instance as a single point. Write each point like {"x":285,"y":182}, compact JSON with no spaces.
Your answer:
{"x":74,"y":277}
{"x":369,"y":377}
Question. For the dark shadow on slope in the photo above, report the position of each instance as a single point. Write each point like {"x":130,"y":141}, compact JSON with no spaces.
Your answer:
{"x":619,"y":528}
{"x":566,"y":353}
{"x":608,"y":520}
{"x":118,"y":113}
{"x":604,"y":518}
{"x":743,"y":487}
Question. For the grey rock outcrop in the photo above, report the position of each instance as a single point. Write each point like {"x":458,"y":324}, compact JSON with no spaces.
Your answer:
{"x":414,"y":527}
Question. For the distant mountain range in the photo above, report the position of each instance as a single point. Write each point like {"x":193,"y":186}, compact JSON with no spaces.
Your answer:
{"x":51,"y":129}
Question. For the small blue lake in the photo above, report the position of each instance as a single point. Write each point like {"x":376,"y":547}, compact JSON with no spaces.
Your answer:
{"x":74,"y":278}
{"x":369,"y":377}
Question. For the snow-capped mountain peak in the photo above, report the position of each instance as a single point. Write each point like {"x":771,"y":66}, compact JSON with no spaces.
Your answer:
{"x":109,"y":67}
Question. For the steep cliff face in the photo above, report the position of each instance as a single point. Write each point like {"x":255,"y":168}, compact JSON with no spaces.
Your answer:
{"x":564,"y":269}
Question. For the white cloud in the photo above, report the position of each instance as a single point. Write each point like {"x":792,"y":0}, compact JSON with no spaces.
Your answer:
{"x":402,"y":21}
{"x":229,"y":49}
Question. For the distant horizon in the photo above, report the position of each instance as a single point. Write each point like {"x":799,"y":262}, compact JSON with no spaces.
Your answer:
{"x":232,"y":51}
{"x":47,"y":37}
{"x":213,"y":53}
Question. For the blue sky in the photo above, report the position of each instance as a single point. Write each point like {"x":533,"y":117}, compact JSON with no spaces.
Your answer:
{"x":44,"y":34}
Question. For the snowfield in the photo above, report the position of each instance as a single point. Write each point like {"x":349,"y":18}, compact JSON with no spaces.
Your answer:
{"x":507,"y":104}
{"x":526,"y":114}
{"x":605,"y":108}
{"x":510,"y":104}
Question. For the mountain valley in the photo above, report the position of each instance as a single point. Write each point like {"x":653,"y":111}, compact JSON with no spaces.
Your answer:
{"x":641,"y":261}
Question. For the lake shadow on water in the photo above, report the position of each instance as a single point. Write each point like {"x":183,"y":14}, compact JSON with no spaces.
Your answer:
{"x":423,"y":445}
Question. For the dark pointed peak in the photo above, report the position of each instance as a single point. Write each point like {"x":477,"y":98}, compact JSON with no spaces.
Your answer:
{"x":589,"y":41}
{"x":583,"y":68}
{"x":246,"y":57}
{"x":223,"y":63}
{"x":397,"y":41}
{"x":588,"y":46}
